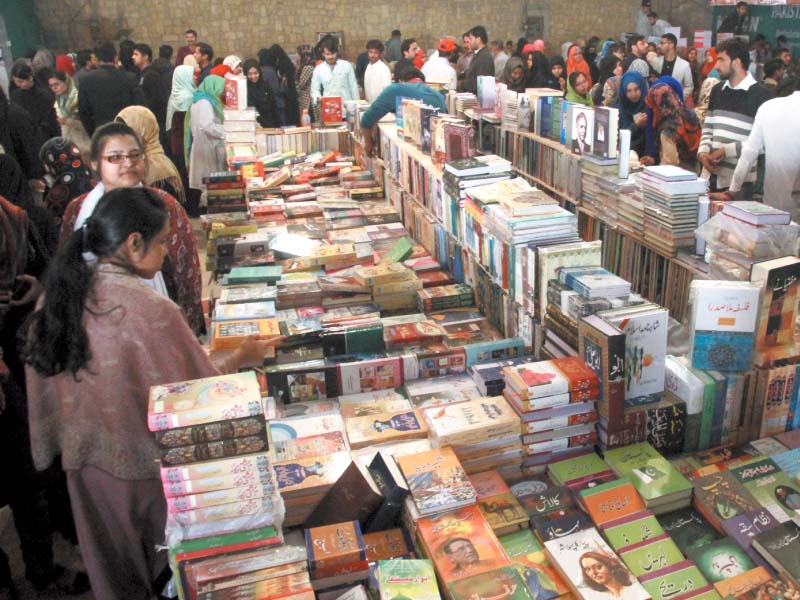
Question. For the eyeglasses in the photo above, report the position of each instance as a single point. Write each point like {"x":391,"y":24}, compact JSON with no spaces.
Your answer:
{"x":117,"y":159}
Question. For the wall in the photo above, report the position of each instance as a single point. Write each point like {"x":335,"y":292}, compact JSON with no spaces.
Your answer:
{"x":243,"y":26}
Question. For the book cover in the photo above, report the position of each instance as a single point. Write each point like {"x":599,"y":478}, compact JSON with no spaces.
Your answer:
{"x":461,"y":544}
{"x":206,"y":400}
{"x":385,"y":427}
{"x":688,"y":529}
{"x":780,"y":547}
{"x":407,"y":579}
{"x":602,"y":347}
{"x":310,"y":474}
{"x":387,"y":544}
{"x":464,"y":422}
{"x":503,"y":512}
{"x":719,"y":496}
{"x":333,"y":545}
{"x":723,"y":318}
{"x":631,"y":530}
{"x":651,"y":474}
{"x":651,"y":555}
{"x":529,"y":559}
{"x":354,"y":497}
{"x":314,"y":445}
{"x":679,"y":582}
{"x":591,"y":567}
{"x":505,"y":582}
{"x":778,"y":280}
{"x":228,"y":335}
{"x":611,"y":501}
{"x":579,"y":472}
{"x":770,"y":487}
{"x":210,"y":432}
{"x":370,"y":375}
{"x":559,"y":524}
{"x":552,"y":499}
{"x":751,"y":585}
{"x":436,"y":480}
{"x":721,"y":559}
{"x":744,"y":528}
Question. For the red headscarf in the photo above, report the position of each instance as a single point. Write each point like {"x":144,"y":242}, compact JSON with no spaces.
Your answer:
{"x":575,"y":62}
{"x":221,"y":70}
{"x":64,"y":63}
{"x":709,"y":65}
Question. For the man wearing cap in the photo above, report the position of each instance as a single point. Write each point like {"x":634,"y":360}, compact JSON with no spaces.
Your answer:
{"x":643,"y":26}
{"x":377,"y":74}
{"x":438,"y":68}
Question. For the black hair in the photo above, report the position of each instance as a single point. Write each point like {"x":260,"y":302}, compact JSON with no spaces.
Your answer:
{"x":772,"y":66}
{"x":105,"y":52}
{"x":192,"y":31}
{"x":499,"y":44}
{"x":396,"y":33}
{"x":573,"y":79}
{"x":251,"y":63}
{"x":58,"y":341}
{"x":652,"y":14}
{"x":204,"y":48}
{"x":406,"y":44}
{"x":375,"y":45}
{"x":778,"y":51}
{"x":406,"y":72}
{"x":83,"y":58}
{"x":62,"y":76}
{"x":479,"y":31}
{"x":329,"y":43}
{"x":144,"y":50}
{"x":633,"y":40}
{"x":21,"y":69}
{"x":165,"y":51}
{"x":109,"y":130}
{"x":670,"y":38}
{"x":735,"y":48}
{"x":741,"y":3}
{"x":447,"y":545}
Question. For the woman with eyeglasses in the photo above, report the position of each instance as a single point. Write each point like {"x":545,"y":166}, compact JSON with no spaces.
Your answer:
{"x":66,"y":93}
{"x":98,"y":340}
{"x":119,"y":159}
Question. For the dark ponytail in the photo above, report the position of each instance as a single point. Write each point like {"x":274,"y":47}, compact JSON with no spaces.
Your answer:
{"x":58,"y":342}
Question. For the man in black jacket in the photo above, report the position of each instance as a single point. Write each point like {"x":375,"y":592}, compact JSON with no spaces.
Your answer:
{"x":152,"y":83}
{"x":482,"y":62}
{"x":106,"y":90}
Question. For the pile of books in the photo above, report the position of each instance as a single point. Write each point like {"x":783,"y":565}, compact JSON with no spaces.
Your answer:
{"x":671,"y":199}
{"x":225,"y":192}
{"x":499,"y":506}
{"x":550,"y":390}
{"x":336,"y":554}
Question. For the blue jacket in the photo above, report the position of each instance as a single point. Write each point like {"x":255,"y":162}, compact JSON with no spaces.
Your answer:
{"x":387,"y":101}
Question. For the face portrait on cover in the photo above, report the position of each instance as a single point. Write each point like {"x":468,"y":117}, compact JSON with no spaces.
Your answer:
{"x":602,"y":573}
{"x":581,"y":129}
{"x":788,"y":497}
{"x":461,"y":552}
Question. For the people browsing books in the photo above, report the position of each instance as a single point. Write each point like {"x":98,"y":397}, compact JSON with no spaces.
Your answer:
{"x":333,"y":76}
{"x":377,"y":75}
{"x":438,"y":68}
{"x":482,"y":62}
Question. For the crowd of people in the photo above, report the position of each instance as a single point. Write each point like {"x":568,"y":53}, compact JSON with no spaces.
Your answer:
{"x":103,"y":156}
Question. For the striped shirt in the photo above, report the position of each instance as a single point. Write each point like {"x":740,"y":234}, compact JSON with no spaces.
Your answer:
{"x":731,"y":111}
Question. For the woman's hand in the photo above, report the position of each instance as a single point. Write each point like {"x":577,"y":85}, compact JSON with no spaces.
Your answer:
{"x":252,"y":350}
{"x":647,"y":161}
{"x":640,"y":119}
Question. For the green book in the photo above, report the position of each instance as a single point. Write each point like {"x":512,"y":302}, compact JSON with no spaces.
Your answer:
{"x":573,"y":472}
{"x":504,"y":582}
{"x":651,"y":474}
{"x":721,"y":559}
{"x":529,"y":558}
{"x":770,"y":486}
{"x":651,"y":555}
{"x":688,"y":529}
{"x":262,"y":274}
{"x":632,"y":529}
{"x":680,"y":581}
{"x":229,"y":539}
{"x":398,"y":252}
{"x":401,"y":578}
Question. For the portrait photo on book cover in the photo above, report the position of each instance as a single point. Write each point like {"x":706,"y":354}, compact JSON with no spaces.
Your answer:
{"x":582,"y":130}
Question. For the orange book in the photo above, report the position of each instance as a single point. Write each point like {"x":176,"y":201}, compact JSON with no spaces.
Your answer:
{"x":436,"y":480}
{"x":488,"y":483}
{"x":613,"y":500}
{"x":385,"y":545}
{"x":334,"y":545}
{"x":228,"y":335}
{"x":461,"y":544}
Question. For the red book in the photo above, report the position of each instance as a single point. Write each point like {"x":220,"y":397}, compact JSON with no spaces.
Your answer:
{"x":332,"y":110}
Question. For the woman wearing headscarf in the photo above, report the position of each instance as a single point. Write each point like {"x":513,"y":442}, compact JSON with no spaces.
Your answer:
{"x":607,"y":88}
{"x":538,"y":71}
{"x":258,"y":95}
{"x":161,"y":172}
{"x":70,"y":177}
{"x":673,"y":131}
{"x":576,"y":62}
{"x":180,"y":99}
{"x":234,"y":63}
{"x":205,"y":136}
{"x":278,"y":73}
{"x":304,"y":78}
{"x":514,"y":75}
{"x":36,"y":100}
{"x":66,"y":93}
{"x":578,"y":90}
{"x":632,"y":108}
{"x":18,"y":137}
{"x":604,"y":51}
{"x":558,"y":73}
{"x":65,"y":63}
{"x":590,"y":56}
{"x":710,"y":62}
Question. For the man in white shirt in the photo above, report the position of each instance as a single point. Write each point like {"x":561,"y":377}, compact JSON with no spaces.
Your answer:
{"x":642,"y":26}
{"x":776,"y":132}
{"x":333,"y":77}
{"x":659,"y":26}
{"x":673,"y":65}
{"x":500,"y":57}
{"x":438,"y":69}
{"x":377,"y":76}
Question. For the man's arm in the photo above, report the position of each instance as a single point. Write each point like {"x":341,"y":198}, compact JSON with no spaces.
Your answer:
{"x":384,"y":103}
{"x":316,"y":87}
{"x":752,"y":147}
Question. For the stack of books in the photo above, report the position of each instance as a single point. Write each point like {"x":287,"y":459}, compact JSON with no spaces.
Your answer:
{"x":240,"y":134}
{"x":336,"y":555}
{"x":225,"y":192}
{"x":437,"y":482}
{"x":484,"y":434}
{"x":544,"y":391}
{"x":392,"y":285}
{"x":442,"y":297}
{"x":671,"y":199}
{"x":499,"y":506}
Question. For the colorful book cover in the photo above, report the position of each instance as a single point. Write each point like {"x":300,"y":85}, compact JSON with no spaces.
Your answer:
{"x":204,"y":401}
{"x":464,"y":422}
{"x":678,"y":582}
{"x":307,"y":474}
{"x":755,"y":584}
{"x":502,"y":511}
{"x":332,"y":545}
{"x":315,"y":445}
{"x":388,"y":544}
{"x":407,"y":579}
{"x":651,"y":555}
{"x":228,"y":335}
{"x":721,"y":496}
{"x":461,"y":544}
{"x":592,"y":569}
{"x":528,"y":557}
{"x":632,"y":529}
{"x":602,"y":346}
{"x":778,"y":279}
{"x":580,"y":472}
{"x":612,"y":500}
{"x":721,"y":559}
{"x":505,"y":582}
{"x":744,"y":528}
{"x":385,"y":427}
{"x":723,"y":320}
{"x":770,"y":487}
{"x":488,"y":483}
{"x":560,"y":524}
{"x":651,"y":474}
{"x":297,"y":428}
{"x":558,"y":498}
{"x":437,"y":480}
{"x":688,"y":529}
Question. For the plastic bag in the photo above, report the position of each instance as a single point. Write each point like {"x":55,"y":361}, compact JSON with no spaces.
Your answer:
{"x":729,"y":235}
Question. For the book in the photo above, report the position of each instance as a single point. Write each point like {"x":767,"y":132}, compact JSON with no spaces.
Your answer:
{"x":354,"y":497}
{"x":465,"y":422}
{"x":750,"y":585}
{"x":688,"y":529}
{"x":205,"y":400}
{"x":584,"y":559}
{"x":461,"y":544}
{"x":778,"y":280}
{"x":300,"y":476}
{"x":719,"y":496}
{"x":580,"y":472}
{"x":723,"y":321}
{"x":407,"y":579}
{"x":228,"y":335}
{"x":756,"y":213}
{"x":529,"y":559}
{"x":721,"y":559}
{"x":505,"y":582}
{"x":743,"y":528}
{"x":385,"y":427}
{"x":436,"y":480}
{"x":210,"y":432}
{"x":770,"y":486}
{"x":680,"y":581}
{"x":631,"y":530}
{"x":388,"y":544}
{"x":503,"y":512}
{"x":550,"y":377}
{"x":780,"y":547}
{"x":651,"y":555}
{"x":602,"y":347}
{"x":334,"y":545}
{"x":611,"y":501}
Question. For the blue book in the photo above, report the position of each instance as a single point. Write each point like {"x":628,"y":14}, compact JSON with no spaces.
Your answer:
{"x":485,"y":352}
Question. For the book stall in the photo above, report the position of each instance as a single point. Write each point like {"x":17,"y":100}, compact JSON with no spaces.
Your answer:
{"x":478,"y":393}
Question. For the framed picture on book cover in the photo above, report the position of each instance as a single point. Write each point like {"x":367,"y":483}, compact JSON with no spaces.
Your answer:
{"x":339,"y":35}
{"x":582,"y":130}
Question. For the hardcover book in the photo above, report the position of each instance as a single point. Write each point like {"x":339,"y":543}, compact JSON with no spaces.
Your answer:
{"x":602,"y":346}
{"x":354,"y":497}
{"x":778,"y":280}
{"x":387,"y":544}
{"x":334,"y":545}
